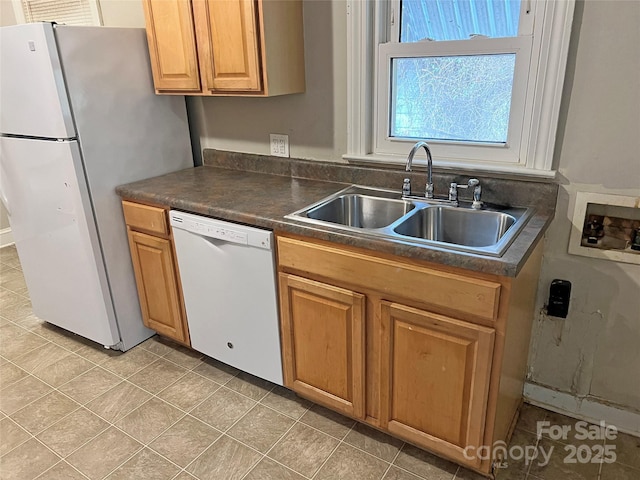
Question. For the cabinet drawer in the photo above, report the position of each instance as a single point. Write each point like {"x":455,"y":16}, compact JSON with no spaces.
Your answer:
{"x":145,"y":217}
{"x":446,"y":292}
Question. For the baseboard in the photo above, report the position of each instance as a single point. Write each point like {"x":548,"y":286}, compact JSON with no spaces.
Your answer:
{"x":6,"y":238}
{"x":582,"y":408}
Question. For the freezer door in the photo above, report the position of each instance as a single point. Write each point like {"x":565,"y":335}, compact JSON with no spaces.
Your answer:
{"x":32,"y":92}
{"x":52,"y":224}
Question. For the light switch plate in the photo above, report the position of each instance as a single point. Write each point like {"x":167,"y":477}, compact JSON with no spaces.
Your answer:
{"x":279,"y":145}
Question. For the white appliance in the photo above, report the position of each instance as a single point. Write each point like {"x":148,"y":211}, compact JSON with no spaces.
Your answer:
{"x":79,"y":116}
{"x":229,"y":286}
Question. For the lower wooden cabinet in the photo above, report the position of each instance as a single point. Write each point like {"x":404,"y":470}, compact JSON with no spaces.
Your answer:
{"x":323,"y":346}
{"x":155,"y":270}
{"x":435,"y":356}
{"x":434,"y":378}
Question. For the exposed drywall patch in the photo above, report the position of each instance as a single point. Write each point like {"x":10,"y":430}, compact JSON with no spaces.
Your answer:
{"x":563,"y":350}
{"x":616,"y":374}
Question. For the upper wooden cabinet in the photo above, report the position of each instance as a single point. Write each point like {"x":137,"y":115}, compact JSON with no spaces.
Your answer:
{"x":172,"y":45}
{"x":226,"y":47}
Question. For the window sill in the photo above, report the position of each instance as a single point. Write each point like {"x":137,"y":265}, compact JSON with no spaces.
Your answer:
{"x":504,"y":171}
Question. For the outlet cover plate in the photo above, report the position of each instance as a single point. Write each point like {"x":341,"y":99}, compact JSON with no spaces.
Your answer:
{"x":279,"y":145}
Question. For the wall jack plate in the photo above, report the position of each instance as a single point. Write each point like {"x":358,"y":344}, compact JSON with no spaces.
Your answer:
{"x":279,"y":145}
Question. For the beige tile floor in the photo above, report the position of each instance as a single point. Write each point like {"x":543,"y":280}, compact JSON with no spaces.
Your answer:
{"x":69,"y":409}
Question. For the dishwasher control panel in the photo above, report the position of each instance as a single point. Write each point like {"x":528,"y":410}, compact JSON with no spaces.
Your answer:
{"x":220,"y":230}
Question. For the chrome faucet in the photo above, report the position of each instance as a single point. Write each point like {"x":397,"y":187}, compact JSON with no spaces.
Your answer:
{"x":406,"y":186}
{"x":477,"y":192}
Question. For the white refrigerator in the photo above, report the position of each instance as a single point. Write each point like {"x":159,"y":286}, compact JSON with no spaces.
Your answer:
{"x":78,"y":116}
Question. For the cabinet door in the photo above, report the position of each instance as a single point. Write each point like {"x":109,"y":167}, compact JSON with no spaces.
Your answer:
{"x":228,"y":35}
{"x":323,"y":343}
{"x":434,"y":379}
{"x":172,"y":45}
{"x":156,"y":279}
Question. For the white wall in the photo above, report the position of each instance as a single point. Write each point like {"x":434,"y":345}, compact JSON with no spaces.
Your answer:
{"x":122,"y":13}
{"x":7,"y":16}
{"x":595,"y":350}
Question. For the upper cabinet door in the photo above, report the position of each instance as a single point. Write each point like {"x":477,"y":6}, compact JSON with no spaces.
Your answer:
{"x":228,"y":44}
{"x":172,"y":45}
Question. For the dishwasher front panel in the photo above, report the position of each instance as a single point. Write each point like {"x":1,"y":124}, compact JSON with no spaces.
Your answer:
{"x":230,"y":296}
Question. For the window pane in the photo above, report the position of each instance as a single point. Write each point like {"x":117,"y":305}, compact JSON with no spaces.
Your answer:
{"x":458,"y":19}
{"x":462,"y":98}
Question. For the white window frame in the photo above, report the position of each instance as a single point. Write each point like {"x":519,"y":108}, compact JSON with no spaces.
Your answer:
{"x":531,"y":141}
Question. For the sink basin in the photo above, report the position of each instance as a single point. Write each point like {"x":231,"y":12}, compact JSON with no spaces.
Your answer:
{"x":471,"y":228}
{"x":361,"y":211}
{"x":428,"y":222}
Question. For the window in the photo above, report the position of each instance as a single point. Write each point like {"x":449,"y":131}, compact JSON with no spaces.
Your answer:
{"x":68,"y":12}
{"x":479,"y":80}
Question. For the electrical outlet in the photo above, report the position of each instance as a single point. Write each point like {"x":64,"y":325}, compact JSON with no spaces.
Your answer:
{"x":279,"y":145}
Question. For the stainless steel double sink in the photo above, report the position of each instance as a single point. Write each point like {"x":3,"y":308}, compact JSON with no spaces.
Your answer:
{"x":440,"y":224}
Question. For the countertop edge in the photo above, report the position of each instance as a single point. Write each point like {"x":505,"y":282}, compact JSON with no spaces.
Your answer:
{"x":509,"y":265}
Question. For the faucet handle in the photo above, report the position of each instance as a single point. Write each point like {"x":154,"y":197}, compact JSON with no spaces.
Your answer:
{"x":406,"y":187}
{"x":477,"y":192}
{"x":428,"y":193}
{"x":453,"y":192}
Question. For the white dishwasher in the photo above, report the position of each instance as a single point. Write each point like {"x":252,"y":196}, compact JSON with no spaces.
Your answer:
{"x":229,"y":285}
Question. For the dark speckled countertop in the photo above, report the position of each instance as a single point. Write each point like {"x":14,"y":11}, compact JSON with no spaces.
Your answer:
{"x":232,"y":187}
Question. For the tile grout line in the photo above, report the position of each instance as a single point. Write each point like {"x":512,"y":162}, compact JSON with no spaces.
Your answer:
{"x":62,"y":460}
{"x":538,"y":440}
{"x":333,"y":451}
{"x":34,"y":436}
{"x":414,"y":473}
{"x":187,"y":413}
{"x":225,"y":432}
{"x":265,"y":455}
{"x":147,"y":444}
{"x":83,"y":406}
{"x":153,"y":395}
{"x":392,"y":462}
{"x":53,"y":389}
